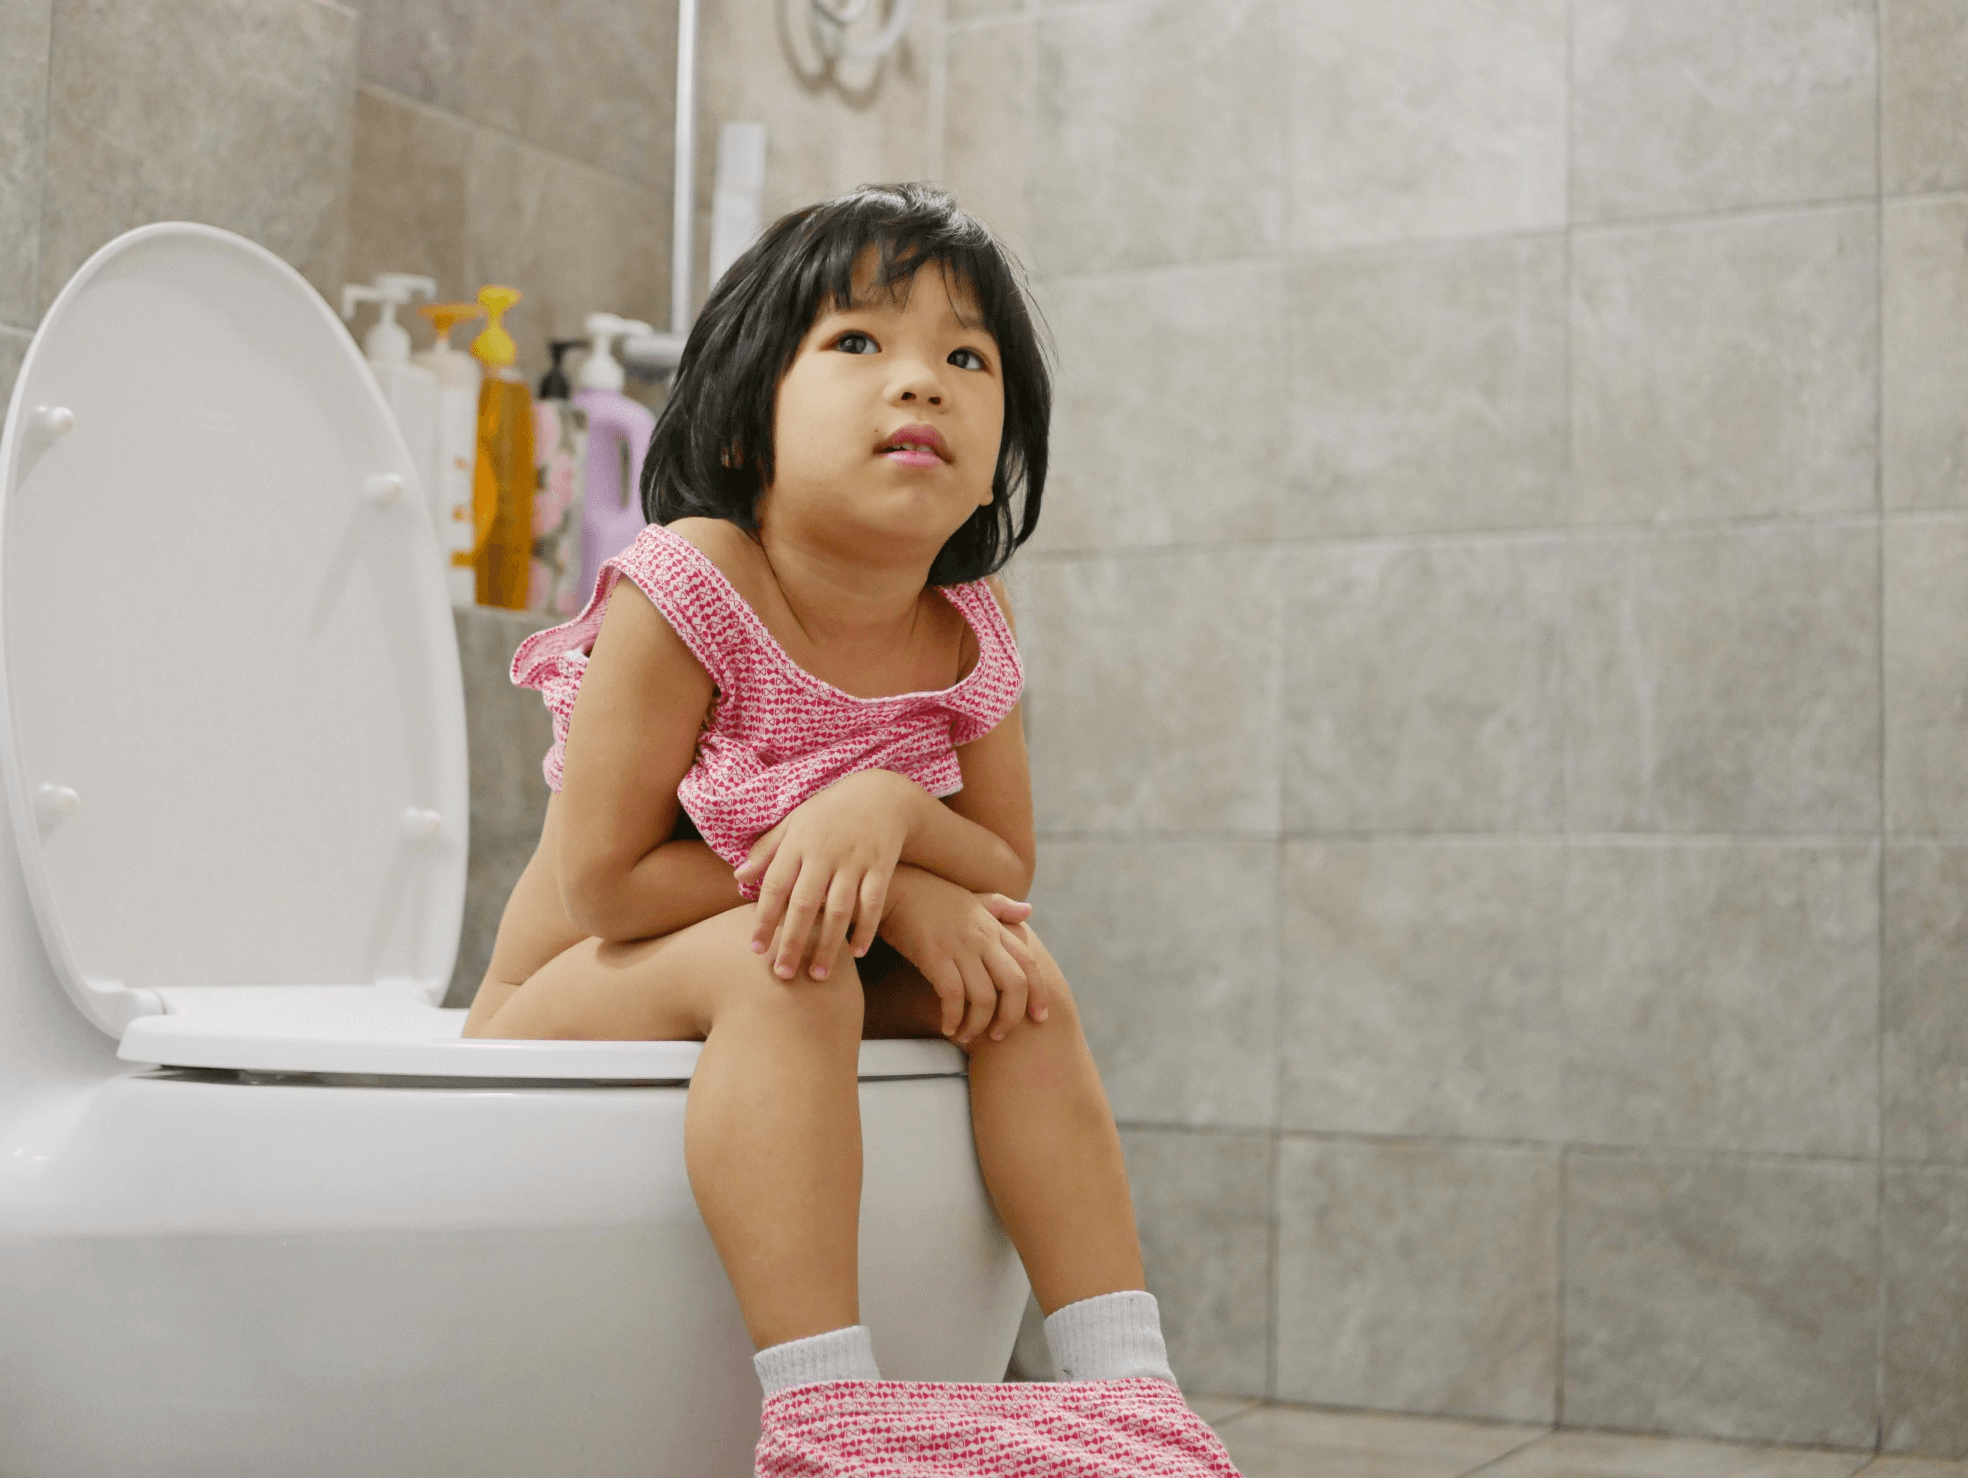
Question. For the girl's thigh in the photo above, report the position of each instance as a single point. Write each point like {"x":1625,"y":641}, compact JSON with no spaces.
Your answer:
{"x":667,"y":989}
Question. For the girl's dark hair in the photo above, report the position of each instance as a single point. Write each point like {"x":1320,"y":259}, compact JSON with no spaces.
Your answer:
{"x":743,"y":343}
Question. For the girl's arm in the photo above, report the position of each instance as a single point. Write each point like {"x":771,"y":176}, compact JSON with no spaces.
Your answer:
{"x":633,"y":735}
{"x":981,"y":837}
{"x":861,"y":826}
{"x":996,"y":801}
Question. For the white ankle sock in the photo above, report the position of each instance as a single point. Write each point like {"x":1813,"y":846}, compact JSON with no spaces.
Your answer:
{"x":839,"y":1354}
{"x":1109,"y":1338}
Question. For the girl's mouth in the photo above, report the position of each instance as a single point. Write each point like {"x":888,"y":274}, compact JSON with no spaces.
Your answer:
{"x":915,"y":446}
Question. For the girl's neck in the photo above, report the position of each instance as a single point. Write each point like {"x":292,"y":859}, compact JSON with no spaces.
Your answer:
{"x":842,"y":596}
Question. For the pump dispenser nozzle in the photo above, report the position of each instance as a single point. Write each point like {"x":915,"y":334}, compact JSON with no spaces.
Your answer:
{"x":553,"y":384}
{"x":601,"y":372}
{"x":446,"y":316}
{"x":494,"y":347}
{"x":387,"y":341}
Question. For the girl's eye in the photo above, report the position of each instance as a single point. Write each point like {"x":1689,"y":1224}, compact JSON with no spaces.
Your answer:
{"x":967,"y":359}
{"x":856,"y":342}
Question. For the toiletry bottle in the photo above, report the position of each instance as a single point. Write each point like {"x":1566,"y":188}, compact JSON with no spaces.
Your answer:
{"x":560,"y":448}
{"x":502,"y":487}
{"x":410,"y":388}
{"x":456,"y":451}
{"x":618,"y":439}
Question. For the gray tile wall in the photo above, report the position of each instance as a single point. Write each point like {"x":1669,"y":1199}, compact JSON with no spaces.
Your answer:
{"x":457,"y":138}
{"x":1497,"y":685}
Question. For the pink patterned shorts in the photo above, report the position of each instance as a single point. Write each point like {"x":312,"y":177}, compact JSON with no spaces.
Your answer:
{"x":1137,"y":1428}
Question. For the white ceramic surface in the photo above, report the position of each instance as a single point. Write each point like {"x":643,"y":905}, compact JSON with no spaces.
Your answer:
{"x":234,"y":733}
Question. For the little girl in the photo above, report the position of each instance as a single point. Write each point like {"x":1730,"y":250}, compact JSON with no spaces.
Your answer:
{"x":792,"y":810}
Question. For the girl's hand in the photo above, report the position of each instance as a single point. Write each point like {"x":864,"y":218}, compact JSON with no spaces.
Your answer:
{"x":970,"y":949}
{"x":823,"y":872}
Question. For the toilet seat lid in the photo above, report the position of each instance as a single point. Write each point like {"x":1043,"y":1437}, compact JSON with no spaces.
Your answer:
{"x":231,"y":717}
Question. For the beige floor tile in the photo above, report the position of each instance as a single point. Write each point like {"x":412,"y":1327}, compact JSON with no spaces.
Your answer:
{"x":1215,"y":1409}
{"x":1610,"y":1455}
{"x":1295,"y":1442}
{"x":1914,"y":1467}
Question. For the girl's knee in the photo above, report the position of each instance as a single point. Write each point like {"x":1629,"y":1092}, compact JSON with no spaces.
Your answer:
{"x":835,"y":1001}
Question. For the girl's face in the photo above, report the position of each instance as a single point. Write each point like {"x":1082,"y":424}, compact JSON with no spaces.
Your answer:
{"x":888,"y":421}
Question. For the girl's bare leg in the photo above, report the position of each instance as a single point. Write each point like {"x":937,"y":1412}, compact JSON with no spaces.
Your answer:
{"x":772,"y":1130}
{"x":1046,"y":1140}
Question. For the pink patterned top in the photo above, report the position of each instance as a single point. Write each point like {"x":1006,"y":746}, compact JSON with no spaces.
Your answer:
{"x":776,"y":734}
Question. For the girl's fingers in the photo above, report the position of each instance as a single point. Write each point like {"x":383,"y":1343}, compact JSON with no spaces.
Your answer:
{"x":1038,"y":1006}
{"x":1018,"y":944}
{"x":947,"y":981}
{"x":803,"y":904}
{"x":981,"y":998}
{"x":1006,"y":910}
{"x":842,"y":894}
{"x":760,"y":857}
{"x":868,"y":916}
{"x":774,"y":891}
{"x":1015,"y":945}
{"x":1011,"y":983}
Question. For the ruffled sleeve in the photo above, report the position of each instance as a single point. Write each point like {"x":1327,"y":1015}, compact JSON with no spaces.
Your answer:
{"x":680,"y":582}
{"x":998,"y":679}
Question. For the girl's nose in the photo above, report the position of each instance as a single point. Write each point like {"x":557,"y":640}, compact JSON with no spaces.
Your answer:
{"x":917,"y":382}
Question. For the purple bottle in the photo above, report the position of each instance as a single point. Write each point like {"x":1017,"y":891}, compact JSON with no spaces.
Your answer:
{"x":618,"y":437}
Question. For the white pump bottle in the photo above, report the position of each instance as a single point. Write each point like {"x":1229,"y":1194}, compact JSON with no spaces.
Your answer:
{"x":451,"y":494}
{"x":410,"y":389}
{"x":618,"y":439}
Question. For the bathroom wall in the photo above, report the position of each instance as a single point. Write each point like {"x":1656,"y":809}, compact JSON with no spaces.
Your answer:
{"x":830,"y":125}
{"x":1497,"y":655}
{"x":463,"y":140}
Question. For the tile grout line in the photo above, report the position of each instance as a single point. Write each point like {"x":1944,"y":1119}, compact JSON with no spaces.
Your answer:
{"x":1526,"y":534}
{"x":1564,"y":1204}
{"x":1565,"y":706}
{"x":1574,"y":1148}
{"x":1489,"y":1463}
{"x":1418,"y":245}
{"x":1879,"y":943}
{"x":41,"y":201}
{"x":1769,"y":521}
{"x":1274,"y":1199}
{"x":939,"y":99}
{"x":1279,"y":260}
{"x":492,"y":130}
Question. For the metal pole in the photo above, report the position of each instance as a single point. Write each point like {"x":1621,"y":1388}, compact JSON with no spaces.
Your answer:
{"x":684,"y":204}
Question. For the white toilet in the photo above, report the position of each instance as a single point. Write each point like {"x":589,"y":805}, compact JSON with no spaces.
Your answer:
{"x":262,"y":1212}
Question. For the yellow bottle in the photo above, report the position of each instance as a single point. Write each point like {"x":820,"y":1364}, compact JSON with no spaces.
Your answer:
{"x":502,"y":485}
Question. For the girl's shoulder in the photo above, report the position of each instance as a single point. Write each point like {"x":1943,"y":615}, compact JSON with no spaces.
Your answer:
{"x":984,"y":603}
{"x":718,"y":540}
{"x":996,"y":585}
{"x":732,"y":552}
